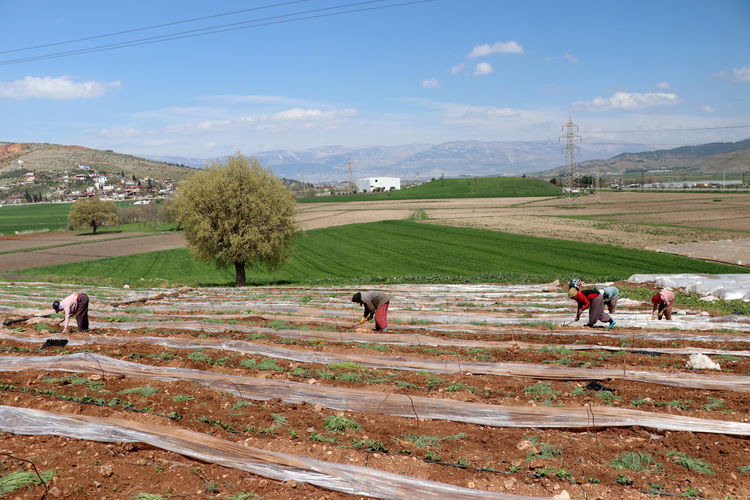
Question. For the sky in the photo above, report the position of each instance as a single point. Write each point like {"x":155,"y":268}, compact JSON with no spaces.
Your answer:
{"x":253,"y":76}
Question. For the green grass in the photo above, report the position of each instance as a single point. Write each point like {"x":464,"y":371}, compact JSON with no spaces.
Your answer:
{"x":20,"y":478}
{"x":694,"y":464}
{"x":396,"y":251}
{"x":34,"y":217}
{"x":478,"y":187}
{"x":639,"y":462}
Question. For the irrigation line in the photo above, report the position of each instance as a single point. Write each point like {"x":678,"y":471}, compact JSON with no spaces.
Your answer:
{"x":344,"y":399}
{"x":502,"y":369}
{"x":351,"y":479}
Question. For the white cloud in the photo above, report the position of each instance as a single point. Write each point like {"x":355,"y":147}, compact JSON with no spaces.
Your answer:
{"x":457,"y":68}
{"x":707,"y":108}
{"x":742,"y":74}
{"x":570,"y":57}
{"x":627,"y":101}
{"x":720,"y":74}
{"x":484,"y":114}
{"x":432,"y":83}
{"x":663,"y":85}
{"x":54,"y":88}
{"x":482,"y":69}
{"x":511,"y":47}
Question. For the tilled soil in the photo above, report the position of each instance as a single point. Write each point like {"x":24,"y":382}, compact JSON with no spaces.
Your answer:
{"x":586,"y":462}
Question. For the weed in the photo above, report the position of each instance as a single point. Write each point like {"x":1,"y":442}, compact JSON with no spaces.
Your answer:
{"x":181,"y":397}
{"x":655,"y":488}
{"x":243,"y":496}
{"x":346,"y":365}
{"x":638,"y":402}
{"x":426,"y":441}
{"x":639,"y":462}
{"x":675,"y":404}
{"x":608,"y":397}
{"x":456,"y":386}
{"x":325,"y":374}
{"x":369,"y":445}
{"x":300,"y":372}
{"x":349,"y":377}
{"x":211,"y":488}
{"x":514,"y":468}
{"x":694,"y":464}
{"x":95,"y":386}
{"x":322,"y":439}
{"x":20,"y":478}
{"x":577,"y":391}
{"x":624,"y":480}
{"x":374,"y":345}
{"x":240,"y":404}
{"x":200,"y":357}
{"x":279,"y":420}
{"x":540,"y":473}
{"x":743,"y":469}
{"x":292,"y":433}
{"x":563,"y":474}
{"x":546,"y":452}
{"x":279,"y":325}
{"x":713,"y":403}
{"x":339,"y":424}
{"x":540,"y":391}
{"x":431,"y":455}
{"x":593,"y":480}
{"x":462,"y":463}
{"x":690,"y":492}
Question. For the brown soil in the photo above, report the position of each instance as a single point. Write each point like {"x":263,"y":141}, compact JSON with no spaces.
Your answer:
{"x":519,"y":461}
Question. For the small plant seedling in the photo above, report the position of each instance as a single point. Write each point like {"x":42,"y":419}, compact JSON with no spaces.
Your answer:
{"x":624,"y":480}
{"x":339,"y":424}
{"x":639,"y":462}
{"x":694,"y":464}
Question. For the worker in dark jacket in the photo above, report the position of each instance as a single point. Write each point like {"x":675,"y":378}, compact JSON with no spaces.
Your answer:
{"x":593,"y":300}
{"x":375,"y":305}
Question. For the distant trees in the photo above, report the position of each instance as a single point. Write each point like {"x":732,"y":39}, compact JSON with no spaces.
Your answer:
{"x":238,"y":214}
{"x":92,"y":212}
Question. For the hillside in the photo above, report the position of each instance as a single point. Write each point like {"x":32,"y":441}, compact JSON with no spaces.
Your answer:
{"x":706,"y":161}
{"x":56,"y":158}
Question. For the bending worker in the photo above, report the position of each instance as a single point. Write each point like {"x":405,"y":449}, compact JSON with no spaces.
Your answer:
{"x":591,"y":299}
{"x":662,"y":302}
{"x":78,"y":304}
{"x":611,"y":294}
{"x":375,"y":304}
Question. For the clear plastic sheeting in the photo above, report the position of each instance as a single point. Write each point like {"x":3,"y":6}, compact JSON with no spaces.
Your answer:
{"x":528,"y":370}
{"x":396,"y":404}
{"x":721,"y":286}
{"x":350,"y":479}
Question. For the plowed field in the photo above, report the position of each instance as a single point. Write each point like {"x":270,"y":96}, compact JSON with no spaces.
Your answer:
{"x":475,"y":391}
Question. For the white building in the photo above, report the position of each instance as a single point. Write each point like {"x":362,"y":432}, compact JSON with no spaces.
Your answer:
{"x":371,"y":184}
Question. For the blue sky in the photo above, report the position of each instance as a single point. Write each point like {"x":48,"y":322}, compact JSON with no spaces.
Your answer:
{"x":431,"y":72}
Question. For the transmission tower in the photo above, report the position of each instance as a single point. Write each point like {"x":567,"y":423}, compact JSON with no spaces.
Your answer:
{"x":351,"y":175}
{"x":570,"y":148}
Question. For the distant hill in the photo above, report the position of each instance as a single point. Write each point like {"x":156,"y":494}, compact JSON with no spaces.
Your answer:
{"x":55,"y":157}
{"x":423,"y":161}
{"x":703,"y":161}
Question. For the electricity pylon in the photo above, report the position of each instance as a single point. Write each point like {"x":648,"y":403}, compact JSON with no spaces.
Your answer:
{"x":570,"y":148}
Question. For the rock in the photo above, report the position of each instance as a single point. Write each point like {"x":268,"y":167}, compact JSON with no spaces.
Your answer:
{"x":510,"y":484}
{"x":291,"y":483}
{"x":126,"y":285}
{"x":563,"y":495}
{"x":471,"y":484}
{"x":312,"y":381}
{"x":55,"y":492}
{"x":263,"y":483}
{"x":523,"y":445}
{"x":106,"y":470}
{"x":517,"y":462}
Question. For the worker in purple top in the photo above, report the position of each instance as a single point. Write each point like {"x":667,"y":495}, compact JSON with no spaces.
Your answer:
{"x":376,"y":305}
{"x":78,"y":304}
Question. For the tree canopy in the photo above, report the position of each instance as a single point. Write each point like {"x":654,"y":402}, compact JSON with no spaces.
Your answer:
{"x":238,"y":214}
{"x":92,"y":212}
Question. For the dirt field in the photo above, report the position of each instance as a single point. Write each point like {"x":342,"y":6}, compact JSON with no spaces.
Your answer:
{"x":478,"y":390}
{"x":684,"y":223}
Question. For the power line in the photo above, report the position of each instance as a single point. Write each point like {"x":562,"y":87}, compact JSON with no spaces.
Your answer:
{"x":663,"y":130}
{"x":155,"y":26}
{"x":268,"y":21}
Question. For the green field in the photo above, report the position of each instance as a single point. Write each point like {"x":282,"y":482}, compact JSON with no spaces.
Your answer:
{"x":396,"y":252}
{"x":54,"y":216}
{"x":477,"y":187}
{"x":34,"y":217}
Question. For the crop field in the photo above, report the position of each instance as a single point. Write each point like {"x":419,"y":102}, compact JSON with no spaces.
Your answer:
{"x":476,"y":391}
{"x":403,"y":251}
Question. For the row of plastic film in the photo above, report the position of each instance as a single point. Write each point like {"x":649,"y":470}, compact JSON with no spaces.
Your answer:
{"x":339,"y":398}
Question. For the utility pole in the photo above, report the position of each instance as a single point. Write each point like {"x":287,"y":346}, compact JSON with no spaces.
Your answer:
{"x":351,"y":175}
{"x":571,"y":172}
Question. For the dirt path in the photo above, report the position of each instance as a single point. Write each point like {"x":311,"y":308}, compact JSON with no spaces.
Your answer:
{"x":89,"y":251}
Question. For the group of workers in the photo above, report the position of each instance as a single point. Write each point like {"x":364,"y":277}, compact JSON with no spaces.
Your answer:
{"x":597,"y":299}
{"x":376,"y":303}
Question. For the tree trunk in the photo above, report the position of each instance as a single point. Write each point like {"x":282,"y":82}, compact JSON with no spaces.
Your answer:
{"x":239,"y":273}
{"x":93,"y":224}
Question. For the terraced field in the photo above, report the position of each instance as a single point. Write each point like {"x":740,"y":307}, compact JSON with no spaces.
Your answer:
{"x":476,"y":391}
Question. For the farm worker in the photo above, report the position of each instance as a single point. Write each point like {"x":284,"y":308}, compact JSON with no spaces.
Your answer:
{"x":78,"y":304}
{"x":375,"y":304}
{"x":662,"y":302}
{"x":593,"y":300}
{"x":611,"y":294}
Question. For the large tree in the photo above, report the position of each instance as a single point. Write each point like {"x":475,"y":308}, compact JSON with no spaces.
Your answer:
{"x":238,"y":214}
{"x":92,"y":212}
